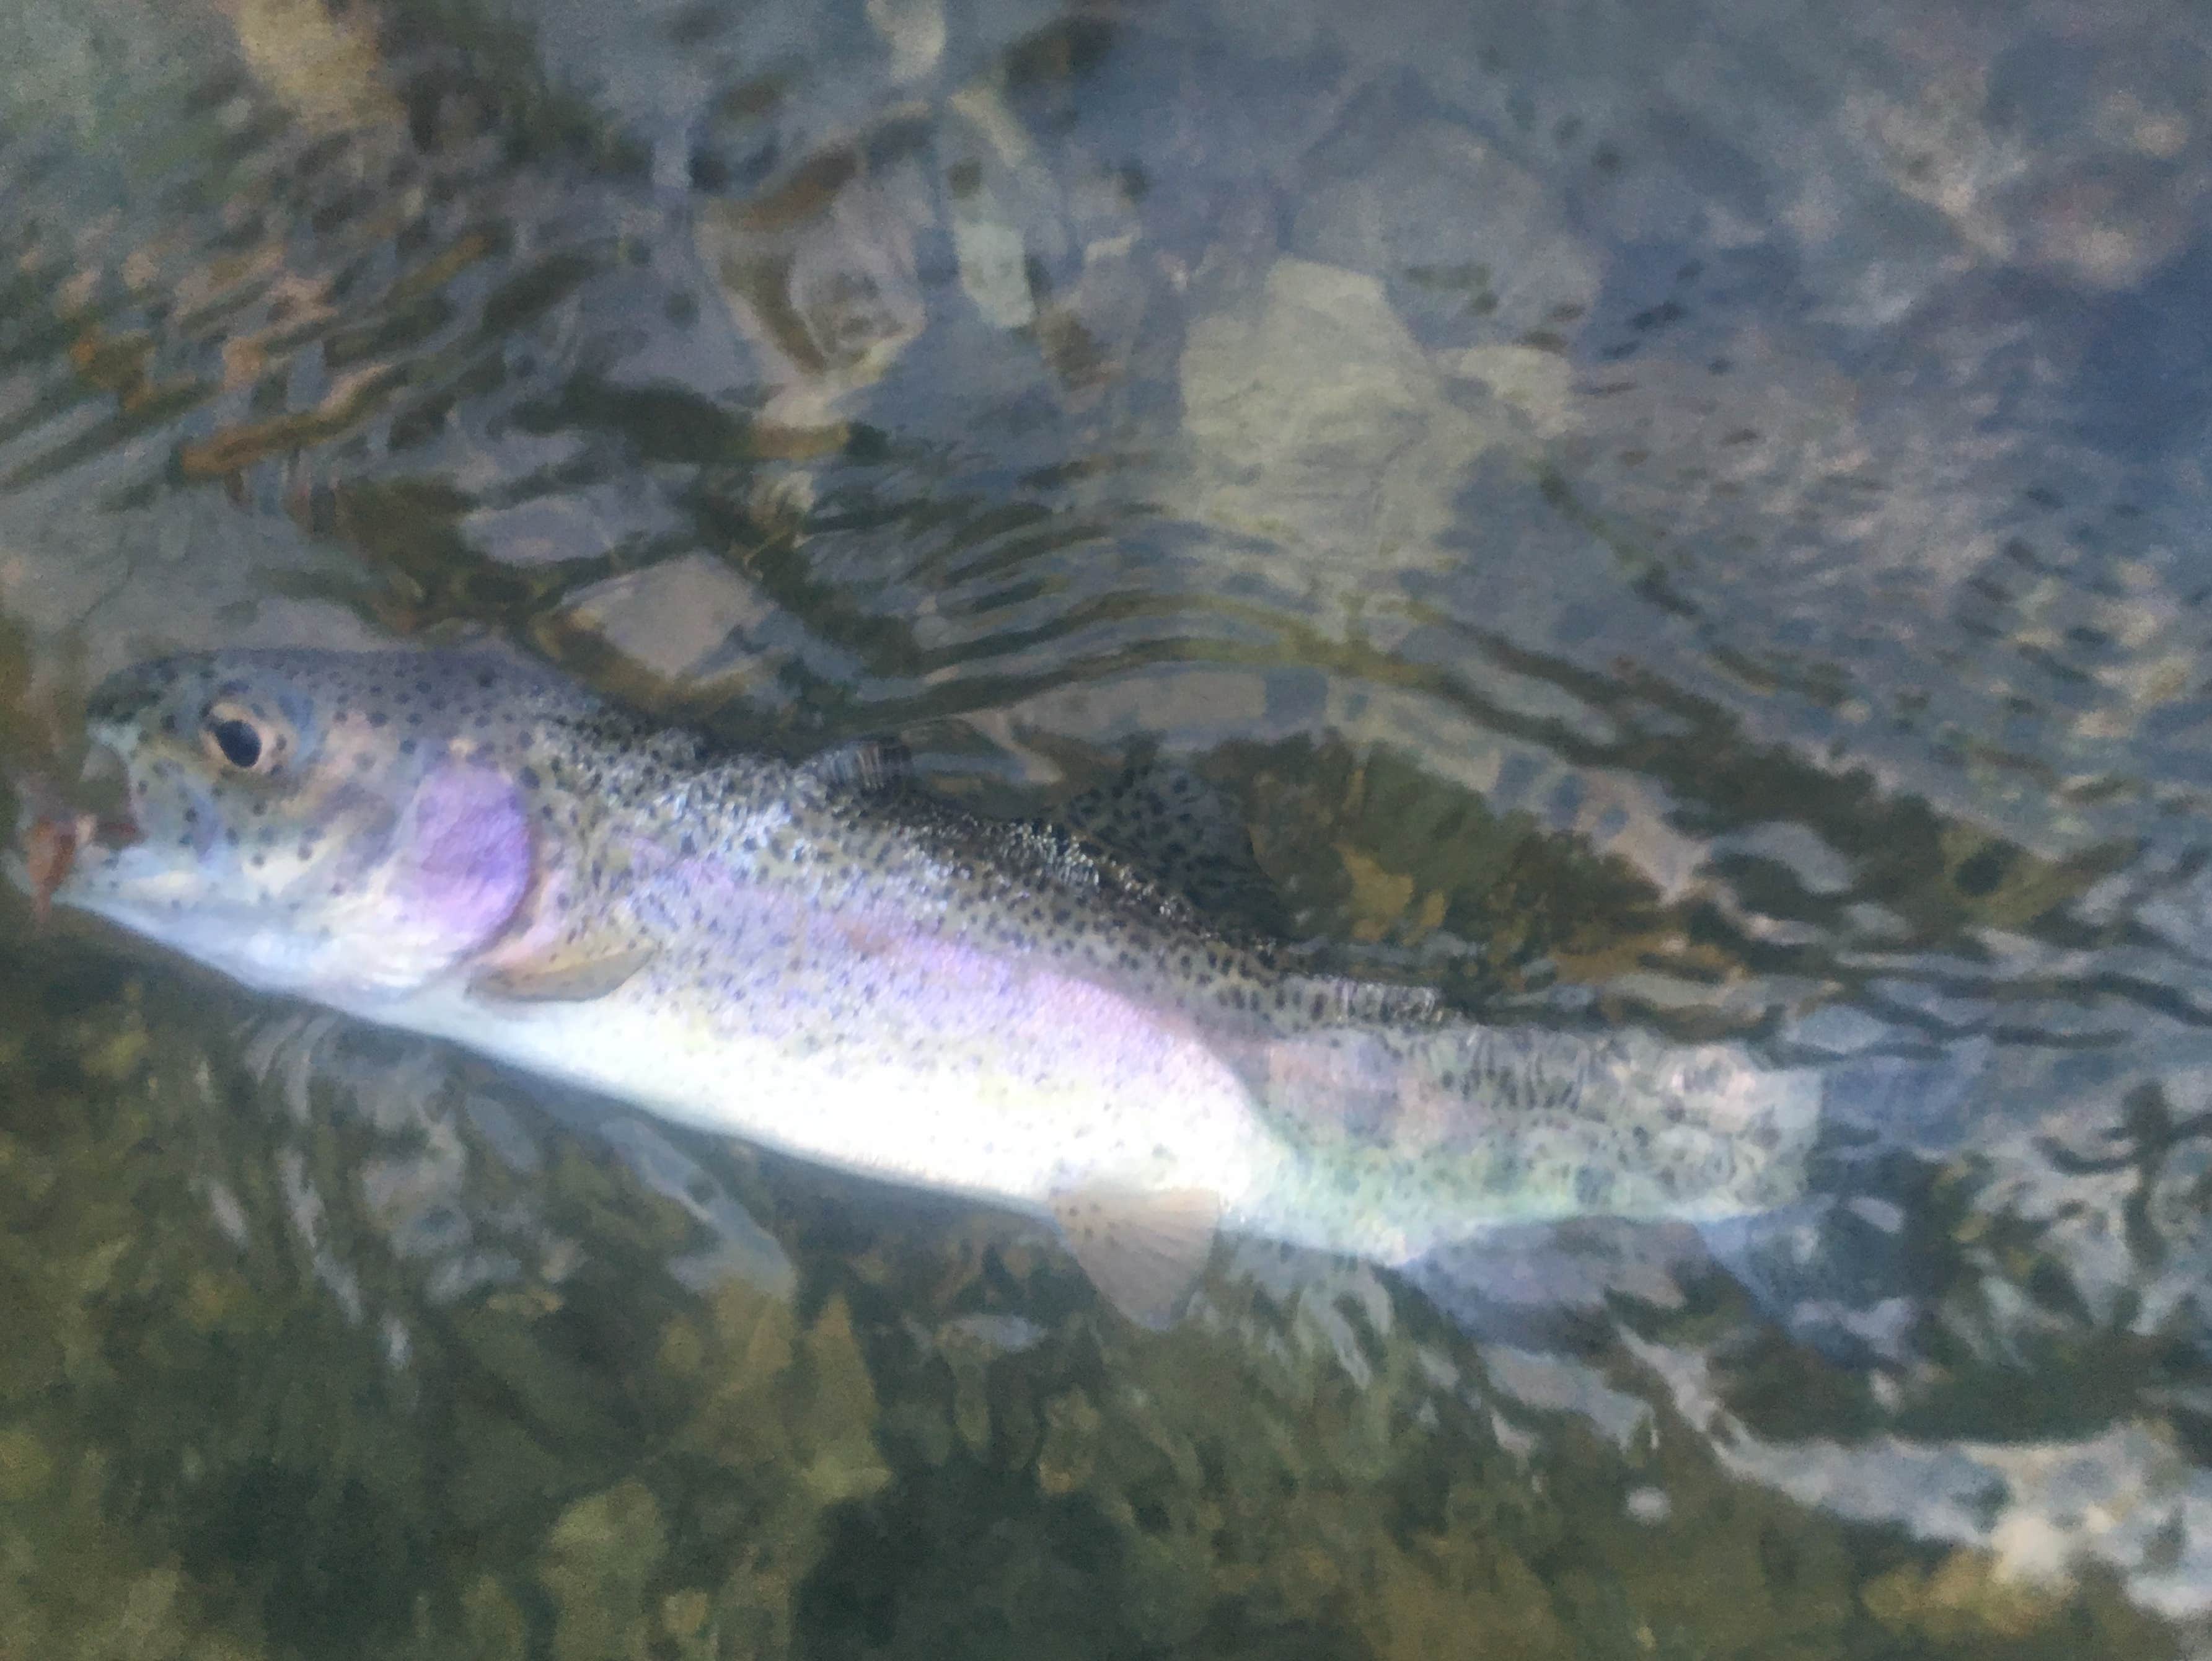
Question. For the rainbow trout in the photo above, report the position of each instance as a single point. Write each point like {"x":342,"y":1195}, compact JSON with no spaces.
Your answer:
{"x":819,"y":960}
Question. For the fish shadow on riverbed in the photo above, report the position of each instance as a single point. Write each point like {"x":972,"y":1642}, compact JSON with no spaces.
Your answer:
{"x":1828,"y":1272}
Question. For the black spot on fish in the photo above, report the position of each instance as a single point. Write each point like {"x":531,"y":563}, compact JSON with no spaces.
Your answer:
{"x":379,"y":719}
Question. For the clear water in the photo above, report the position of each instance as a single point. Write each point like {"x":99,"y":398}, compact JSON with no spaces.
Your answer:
{"x":1670,"y":514}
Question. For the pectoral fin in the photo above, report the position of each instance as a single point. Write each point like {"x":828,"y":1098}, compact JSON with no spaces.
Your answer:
{"x":1142,"y":1248}
{"x":568,"y":977}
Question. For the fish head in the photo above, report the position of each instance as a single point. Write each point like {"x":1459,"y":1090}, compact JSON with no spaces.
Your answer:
{"x":343,"y":826}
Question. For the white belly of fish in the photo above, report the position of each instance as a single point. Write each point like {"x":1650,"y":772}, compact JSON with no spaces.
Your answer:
{"x":1006,"y":1122}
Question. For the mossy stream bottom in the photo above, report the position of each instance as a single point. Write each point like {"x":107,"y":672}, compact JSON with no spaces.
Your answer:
{"x":250,"y":1407}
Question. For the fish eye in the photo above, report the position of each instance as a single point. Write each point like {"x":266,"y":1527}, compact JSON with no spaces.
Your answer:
{"x":239,"y":744}
{"x":242,"y":737}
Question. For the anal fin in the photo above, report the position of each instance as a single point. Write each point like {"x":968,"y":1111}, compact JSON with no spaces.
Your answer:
{"x":1143,"y":1248}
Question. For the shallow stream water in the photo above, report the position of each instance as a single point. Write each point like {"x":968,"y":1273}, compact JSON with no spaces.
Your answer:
{"x":1682,"y":515}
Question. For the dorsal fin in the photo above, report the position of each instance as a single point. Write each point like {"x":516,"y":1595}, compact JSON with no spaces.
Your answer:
{"x":1171,"y":826}
{"x":870,"y":765}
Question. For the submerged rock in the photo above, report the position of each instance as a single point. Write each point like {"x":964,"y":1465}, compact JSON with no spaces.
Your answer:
{"x":1316,"y":424}
{"x":1475,"y":246}
{"x":681,"y":622}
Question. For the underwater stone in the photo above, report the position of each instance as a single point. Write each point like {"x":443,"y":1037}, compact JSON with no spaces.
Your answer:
{"x":670,"y":619}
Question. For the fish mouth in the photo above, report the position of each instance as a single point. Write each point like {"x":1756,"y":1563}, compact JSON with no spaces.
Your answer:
{"x":53,"y":833}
